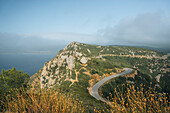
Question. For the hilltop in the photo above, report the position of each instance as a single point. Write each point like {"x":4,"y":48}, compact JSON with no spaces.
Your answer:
{"x":77,"y":67}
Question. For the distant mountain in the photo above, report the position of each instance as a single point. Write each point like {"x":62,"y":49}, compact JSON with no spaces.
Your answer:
{"x":165,"y":50}
{"x":77,"y":67}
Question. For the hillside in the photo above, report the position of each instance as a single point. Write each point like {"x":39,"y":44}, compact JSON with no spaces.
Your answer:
{"x":77,"y":67}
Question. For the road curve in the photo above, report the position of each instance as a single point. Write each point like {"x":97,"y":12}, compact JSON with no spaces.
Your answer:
{"x":95,"y":88}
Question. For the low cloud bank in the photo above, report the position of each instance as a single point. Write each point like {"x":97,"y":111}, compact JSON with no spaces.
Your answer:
{"x":150,"y":29}
{"x":44,"y":43}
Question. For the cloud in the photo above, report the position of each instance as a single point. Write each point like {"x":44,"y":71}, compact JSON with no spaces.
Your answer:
{"x":150,"y":29}
{"x":41,"y":43}
{"x":19,"y":43}
{"x":70,"y":37}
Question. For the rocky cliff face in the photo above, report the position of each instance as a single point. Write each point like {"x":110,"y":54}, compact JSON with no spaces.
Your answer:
{"x":77,"y":67}
{"x":78,"y":59}
{"x":62,"y":67}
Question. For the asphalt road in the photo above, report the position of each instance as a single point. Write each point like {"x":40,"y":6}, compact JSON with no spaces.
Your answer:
{"x":95,"y":88}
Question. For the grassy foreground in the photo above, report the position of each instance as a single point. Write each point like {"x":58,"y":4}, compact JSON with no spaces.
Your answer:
{"x":42,"y":101}
{"x":134,"y":100}
{"x":48,"y":101}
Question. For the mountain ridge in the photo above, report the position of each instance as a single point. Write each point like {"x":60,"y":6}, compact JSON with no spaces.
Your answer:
{"x":77,"y":67}
{"x":71,"y":51}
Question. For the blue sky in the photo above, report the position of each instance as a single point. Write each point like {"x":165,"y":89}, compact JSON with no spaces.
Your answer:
{"x":113,"y":22}
{"x":77,"y":16}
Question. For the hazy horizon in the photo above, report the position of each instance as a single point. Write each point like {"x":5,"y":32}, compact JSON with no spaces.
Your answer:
{"x":46,"y":26}
{"x":119,"y":58}
{"x":39,"y":28}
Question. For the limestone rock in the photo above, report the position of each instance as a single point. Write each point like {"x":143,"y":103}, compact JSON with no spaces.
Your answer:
{"x":89,"y":51}
{"x":44,"y":73}
{"x":70,"y":62}
{"x":78,"y":54}
{"x":83,"y":60}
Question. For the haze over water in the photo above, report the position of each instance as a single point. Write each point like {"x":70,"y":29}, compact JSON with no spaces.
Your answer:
{"x":33,"y":31}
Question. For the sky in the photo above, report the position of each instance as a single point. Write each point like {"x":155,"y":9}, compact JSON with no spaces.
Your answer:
{"x":37,"y":26}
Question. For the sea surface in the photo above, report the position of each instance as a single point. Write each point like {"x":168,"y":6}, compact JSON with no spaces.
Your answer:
{"x":29,"y":63}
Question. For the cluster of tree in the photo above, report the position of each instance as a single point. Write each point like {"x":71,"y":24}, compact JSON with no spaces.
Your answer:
{"x":11,"y":79}
{"x":165,"y":83}
{"x":101,"y":67}
{"x":120,"y":84}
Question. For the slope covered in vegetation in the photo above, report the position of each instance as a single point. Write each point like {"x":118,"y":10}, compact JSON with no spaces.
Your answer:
{"x":77,"y":67}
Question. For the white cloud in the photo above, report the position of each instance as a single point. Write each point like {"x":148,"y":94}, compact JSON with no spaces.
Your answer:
{"x":150,"y":29}
{"x":40,"y":42}
{"x":68,"y":37}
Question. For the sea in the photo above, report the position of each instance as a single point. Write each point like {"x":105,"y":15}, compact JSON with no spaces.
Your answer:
{"x":28,"y":63}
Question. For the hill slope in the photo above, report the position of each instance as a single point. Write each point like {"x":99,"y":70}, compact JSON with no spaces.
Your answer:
{"x":77,"y":67}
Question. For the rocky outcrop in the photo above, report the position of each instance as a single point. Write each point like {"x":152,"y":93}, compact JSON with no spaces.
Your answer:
{"x":83,"y":60}
{"x":70,"y":62}
{"x":89,"y":51}
{"x":63,"y":67}
{"x":158,"y":77}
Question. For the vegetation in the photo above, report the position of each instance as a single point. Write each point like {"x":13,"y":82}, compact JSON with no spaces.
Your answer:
{"x":139,"y":100}
{"x":165,"y":83}
{"x":69,"y":76}
{"x":133,"y":94}
{"x":136,"y":81}
{"x":79,"y":90}
{"x":52,"y":101}
{"x":41,"y":101}
{"x":116,"y":50}
{"x":10,"y":79}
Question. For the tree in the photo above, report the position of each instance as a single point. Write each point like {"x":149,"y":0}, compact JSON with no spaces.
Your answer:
{"x":10,"y":79}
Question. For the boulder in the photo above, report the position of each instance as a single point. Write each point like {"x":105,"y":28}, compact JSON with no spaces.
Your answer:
{"x":83,"y":60}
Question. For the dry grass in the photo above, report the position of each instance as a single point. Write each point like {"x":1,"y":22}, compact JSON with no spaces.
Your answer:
{"x":139,"y":100}
{"x":47,"y":101}
{"x":43,"y":101}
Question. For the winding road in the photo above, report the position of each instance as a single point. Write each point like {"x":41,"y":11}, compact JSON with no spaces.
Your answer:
{"x":95,"y":88}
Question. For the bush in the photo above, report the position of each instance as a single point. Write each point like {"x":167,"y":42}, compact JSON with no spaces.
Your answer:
{"x":41,"y":101}
{"x":11,"y":79}
{"x":138,"y":100}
